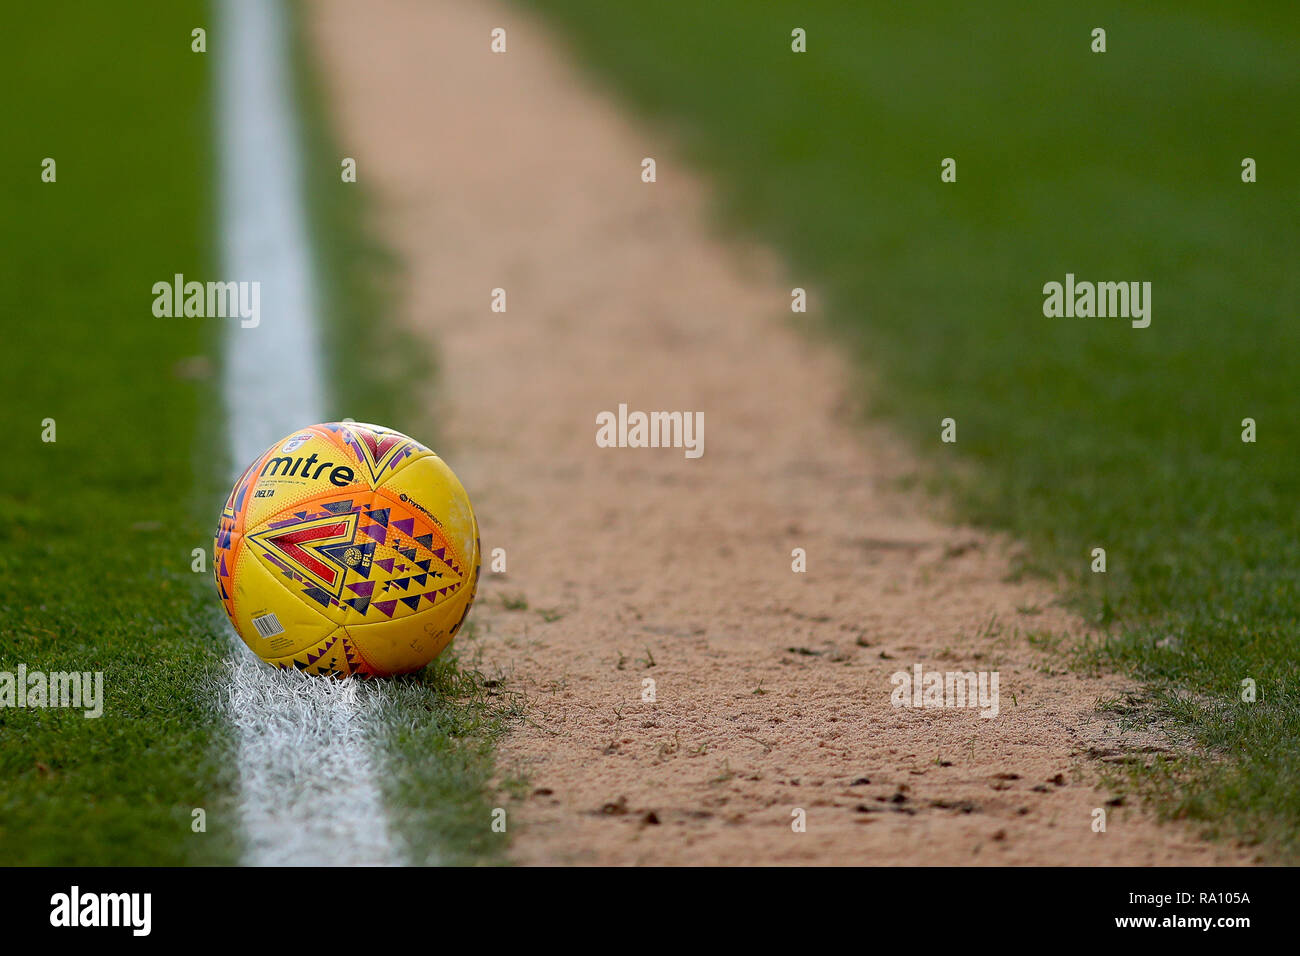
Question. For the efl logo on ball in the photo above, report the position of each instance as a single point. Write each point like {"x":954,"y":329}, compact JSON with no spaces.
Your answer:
{"x":347,"y":549}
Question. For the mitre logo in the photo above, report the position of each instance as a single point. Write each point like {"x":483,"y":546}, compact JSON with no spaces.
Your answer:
{"x":284,"y":466}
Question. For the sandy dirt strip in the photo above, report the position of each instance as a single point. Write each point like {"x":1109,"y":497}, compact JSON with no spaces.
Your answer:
{"x":772,"y":688}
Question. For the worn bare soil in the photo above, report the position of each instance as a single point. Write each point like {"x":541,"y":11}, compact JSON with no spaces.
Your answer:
{"x":771,"y":689}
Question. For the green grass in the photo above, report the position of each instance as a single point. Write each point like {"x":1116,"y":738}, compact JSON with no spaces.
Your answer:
{"x":440,"y":747}
{"x":96,"y":529}
{"x":1083,"y":432}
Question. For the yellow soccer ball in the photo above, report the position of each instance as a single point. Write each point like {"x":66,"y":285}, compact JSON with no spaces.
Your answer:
{"x":347,"y":548}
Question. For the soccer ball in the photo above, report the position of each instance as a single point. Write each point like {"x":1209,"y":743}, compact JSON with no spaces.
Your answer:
{"x":347,"y":548}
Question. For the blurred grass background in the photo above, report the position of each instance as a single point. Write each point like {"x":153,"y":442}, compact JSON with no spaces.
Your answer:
{"x":96,"y":529}
{"x":1123,"y":165}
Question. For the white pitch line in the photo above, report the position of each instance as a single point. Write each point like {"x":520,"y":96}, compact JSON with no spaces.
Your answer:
{"x":307,"y":762}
